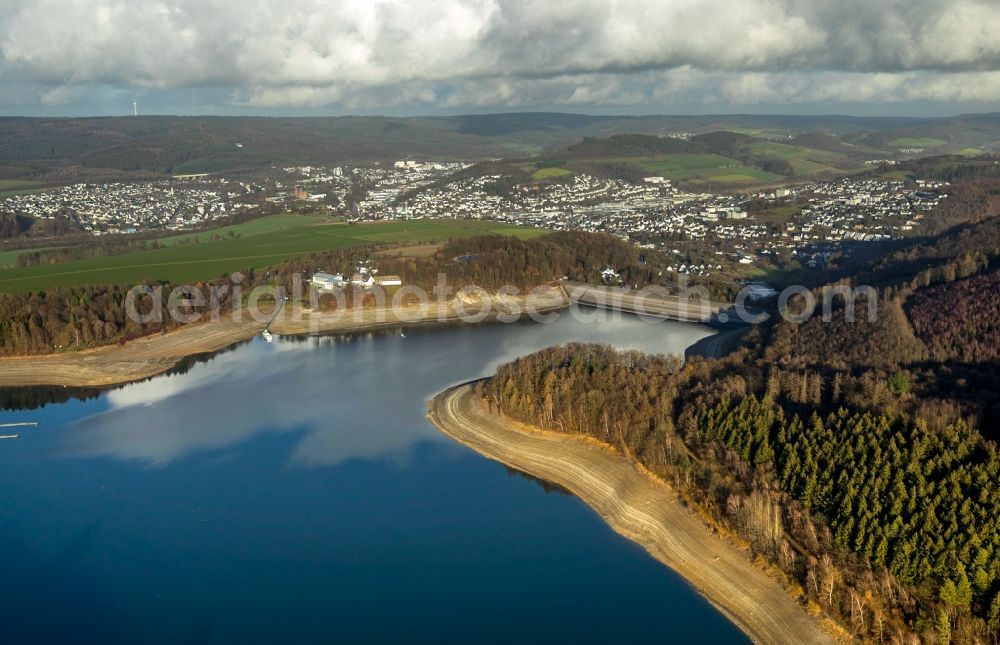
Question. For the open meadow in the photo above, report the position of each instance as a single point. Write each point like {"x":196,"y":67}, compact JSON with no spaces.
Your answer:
{"x":803,"y":161}
{"x":9,"y":187}
{"x":917,"y":142}
{"x":701,"y":169}
{"x":259,"y":243}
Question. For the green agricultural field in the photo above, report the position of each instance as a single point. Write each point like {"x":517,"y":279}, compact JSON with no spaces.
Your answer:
{"x":804,"y":161}
{"x":19,"y":187}
{"x":761,"y":133}
{"x":271,"y":224}
{"x":778,"y":214}
{"x":549,"y":173}
{"x":895,"y":174}
{"x":8,"y":258}
{"x":686,"y":163}
{"x":522,"y":149}
{"x":699,"y":168}
{"x":17,"y":184}
{"x":742,"y":175}
{"x":737,"y":175}
{"x":273,"y":242}
{"x":917,"y":142}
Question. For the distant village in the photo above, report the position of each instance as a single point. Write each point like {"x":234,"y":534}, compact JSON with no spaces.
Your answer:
{"x":810,"y":221}
{"x":116,"y":208}
{"x":707,"y":232}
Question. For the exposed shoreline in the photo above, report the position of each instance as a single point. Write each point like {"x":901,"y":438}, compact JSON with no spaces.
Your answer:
{"x":152,"y":355}
{"x":638,"y":506}
{"x":146,"y":357}
{"x":717,"y":345}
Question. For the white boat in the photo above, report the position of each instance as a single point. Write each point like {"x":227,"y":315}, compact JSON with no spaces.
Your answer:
{"x":9,"y":436}
{"x":267,"y":335}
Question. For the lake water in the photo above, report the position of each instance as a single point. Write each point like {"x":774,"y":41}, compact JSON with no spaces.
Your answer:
{"x":293,"y":491}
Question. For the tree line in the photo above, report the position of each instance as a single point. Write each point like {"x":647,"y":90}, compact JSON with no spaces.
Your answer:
{"x":880,"y":521}
{"x":66,"y":318}
{"x":70,"y":318}
{"x":857,"y":457}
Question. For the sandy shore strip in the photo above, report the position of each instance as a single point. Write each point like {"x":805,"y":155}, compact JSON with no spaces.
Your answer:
{"x":639,"y":507}
{"x":152,"y":355}
{"x":135,"y":360}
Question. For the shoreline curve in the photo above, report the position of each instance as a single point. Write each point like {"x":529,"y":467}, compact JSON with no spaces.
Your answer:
{"x":639,"y":507}
{"x":143,"y":358}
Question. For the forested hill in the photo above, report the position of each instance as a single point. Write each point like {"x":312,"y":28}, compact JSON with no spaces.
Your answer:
{"x":876,"y":519}
{"x":632,"y":145}
{"x":71,"y":149}
{"x":858,"y":457}
{"x":637,"y":145}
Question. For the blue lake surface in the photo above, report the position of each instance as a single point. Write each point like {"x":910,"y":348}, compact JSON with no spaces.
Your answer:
{"x":294,"y":492}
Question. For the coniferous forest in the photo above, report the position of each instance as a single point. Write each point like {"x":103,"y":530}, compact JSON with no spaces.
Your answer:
{"x":857,"y":458}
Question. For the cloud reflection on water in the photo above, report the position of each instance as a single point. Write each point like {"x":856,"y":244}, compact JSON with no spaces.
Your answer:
{"x":344,"y":399}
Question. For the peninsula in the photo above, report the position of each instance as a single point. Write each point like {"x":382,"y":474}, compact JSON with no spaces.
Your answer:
{"x":640,"y":507}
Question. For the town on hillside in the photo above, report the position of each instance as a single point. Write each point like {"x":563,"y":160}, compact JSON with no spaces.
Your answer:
{"x":707,"y":232}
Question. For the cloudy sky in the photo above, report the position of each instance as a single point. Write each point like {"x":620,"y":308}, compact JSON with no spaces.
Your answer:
{"x":448,"y":56}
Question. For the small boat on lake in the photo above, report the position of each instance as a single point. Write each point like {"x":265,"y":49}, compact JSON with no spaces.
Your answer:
{"x":267,"y":335}
{"x":9,"y":436}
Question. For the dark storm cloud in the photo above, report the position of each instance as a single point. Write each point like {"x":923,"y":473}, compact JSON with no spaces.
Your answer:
{"x":360,"y":55}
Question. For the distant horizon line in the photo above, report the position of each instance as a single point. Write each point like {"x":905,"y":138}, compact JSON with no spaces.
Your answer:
{"x":837,"y":115}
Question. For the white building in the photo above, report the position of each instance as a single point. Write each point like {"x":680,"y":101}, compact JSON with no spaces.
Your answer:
{"x":365,"y":280}
{"x":609,"y":275}
{"x":388,"y":281}
{"x":327,"y":281}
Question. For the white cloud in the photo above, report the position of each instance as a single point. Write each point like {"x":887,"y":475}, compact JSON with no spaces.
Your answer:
{"x":475,"y":53}
{"x":207,"y":410}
